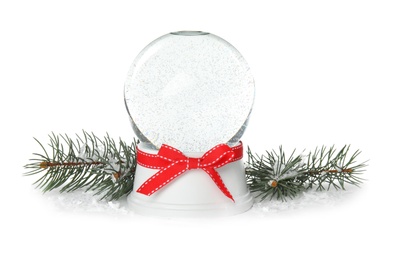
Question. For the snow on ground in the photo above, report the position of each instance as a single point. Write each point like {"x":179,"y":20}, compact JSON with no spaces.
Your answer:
{"x":80,"y":201}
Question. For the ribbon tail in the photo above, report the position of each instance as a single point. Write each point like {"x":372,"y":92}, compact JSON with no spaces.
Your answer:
{"x":161,"y":178}
{"x":219,"y":182}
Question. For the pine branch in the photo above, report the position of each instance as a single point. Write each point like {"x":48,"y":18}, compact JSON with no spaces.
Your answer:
{"x":274,"y":175}
{"x":102,"y":166}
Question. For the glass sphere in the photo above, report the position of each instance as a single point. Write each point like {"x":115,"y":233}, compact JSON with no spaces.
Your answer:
{"x":191,"y":90}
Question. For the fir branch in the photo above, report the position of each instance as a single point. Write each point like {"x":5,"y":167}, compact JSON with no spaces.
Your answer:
{"x":102,"y":166}
{"x":273,"y":175}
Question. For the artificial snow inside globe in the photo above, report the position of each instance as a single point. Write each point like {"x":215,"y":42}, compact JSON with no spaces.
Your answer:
{"x":189,"y":95}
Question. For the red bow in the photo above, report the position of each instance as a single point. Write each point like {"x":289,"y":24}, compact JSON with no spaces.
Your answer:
{"x":172,"y":163}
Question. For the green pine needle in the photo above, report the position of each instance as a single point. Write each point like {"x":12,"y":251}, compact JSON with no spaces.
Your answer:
{"x":273,"y":175}
{"x":88,"y":162}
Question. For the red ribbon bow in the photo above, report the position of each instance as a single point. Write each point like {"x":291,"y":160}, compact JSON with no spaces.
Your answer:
{"x":172,"y":163}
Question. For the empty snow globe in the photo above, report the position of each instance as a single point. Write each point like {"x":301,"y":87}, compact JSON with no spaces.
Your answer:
{"x":190,"y":90}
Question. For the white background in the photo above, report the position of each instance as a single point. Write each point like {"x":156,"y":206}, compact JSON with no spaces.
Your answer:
{"x":325,"y":71}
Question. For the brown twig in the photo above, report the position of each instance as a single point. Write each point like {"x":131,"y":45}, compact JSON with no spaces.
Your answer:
{"x":45,"y":164}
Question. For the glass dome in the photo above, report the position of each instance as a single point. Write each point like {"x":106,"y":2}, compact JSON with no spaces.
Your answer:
{"x":191,"y":90}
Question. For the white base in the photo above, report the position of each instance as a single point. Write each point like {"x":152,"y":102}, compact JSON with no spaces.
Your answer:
{"x":193,"y":194}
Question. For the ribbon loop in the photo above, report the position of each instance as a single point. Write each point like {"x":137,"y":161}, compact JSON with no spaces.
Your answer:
{"x":172,"y":163}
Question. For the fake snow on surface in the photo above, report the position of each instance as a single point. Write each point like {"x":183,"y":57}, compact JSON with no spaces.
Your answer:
{"x":310,"y":199}
{"x":81,"y":201}
{"x":87,"y":202}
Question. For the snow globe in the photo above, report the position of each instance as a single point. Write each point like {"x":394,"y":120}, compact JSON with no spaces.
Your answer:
{"x":189,"y":95}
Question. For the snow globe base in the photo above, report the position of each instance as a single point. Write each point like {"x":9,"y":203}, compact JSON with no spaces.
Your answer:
{"x":192,"y":194}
